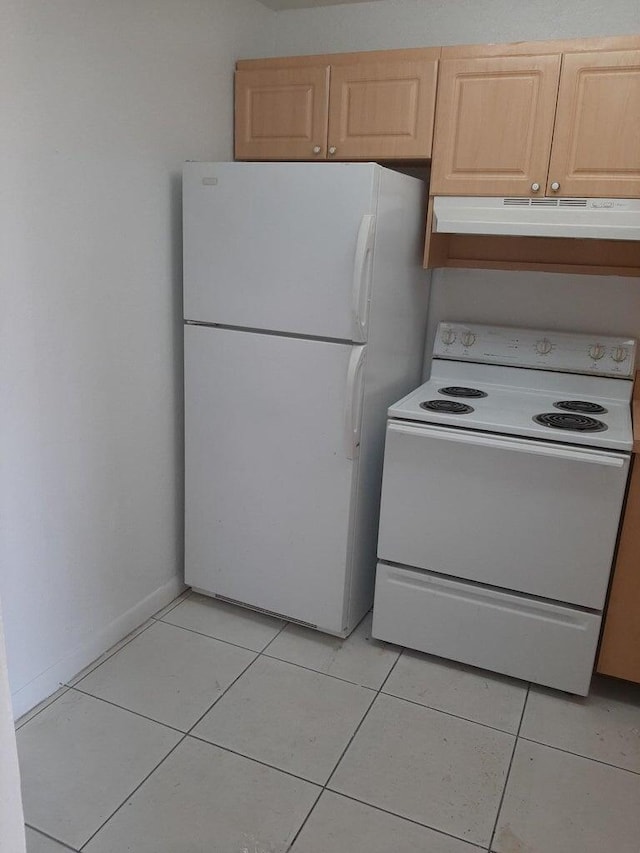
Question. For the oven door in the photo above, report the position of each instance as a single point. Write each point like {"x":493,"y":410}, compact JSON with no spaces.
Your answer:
{"x":525,"y":515}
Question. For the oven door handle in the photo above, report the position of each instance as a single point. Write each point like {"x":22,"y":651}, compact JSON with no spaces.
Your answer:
{"x":532,"y":447}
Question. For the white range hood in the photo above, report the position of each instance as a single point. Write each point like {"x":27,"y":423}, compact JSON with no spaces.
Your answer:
{"x":594,"y":218}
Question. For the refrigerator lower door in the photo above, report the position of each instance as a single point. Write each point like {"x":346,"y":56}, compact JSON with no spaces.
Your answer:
{"x":271,"y":424}
{"x":284,"y":247}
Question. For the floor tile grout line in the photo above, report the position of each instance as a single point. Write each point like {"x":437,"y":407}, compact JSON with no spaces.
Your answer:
{"x":324,"y":787}
{"x":182,"y":739}
{"x":128,"y":797}
{"x":217,"y":639}
{"x":224,"y":692}
{"x":359,"y":726}
{"x":68,"y":686}
{"x":273,"y":639}
{"x":128,"y":710}
{"x":388,"y":675}
{"x":344,"y":752}
{"x":315,"y":630}
{"x":448,"y":713}
{"x":578,"y":755}
{"x":506,"y":778}
{"x":79,"y":690}
{"x":246,"y":757}
{"x":319,"y":672}
{"x":51,"y":837}
{"x":184,"y":736}
{"x":191,"y":734}
{"x":405,"y":818}
{"x":263,"y":652}
{"x":303,"y":824}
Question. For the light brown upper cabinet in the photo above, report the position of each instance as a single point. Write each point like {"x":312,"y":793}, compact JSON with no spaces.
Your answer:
{"x":596,"y":142}
{"x":382,"y":111}
{"x":494,"y":125}
{"x":495,"y":132}
{"x":281,"y":114}
{"x":373,"y":106}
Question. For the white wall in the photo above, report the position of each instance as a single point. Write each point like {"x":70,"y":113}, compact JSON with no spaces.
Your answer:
{"x":578,"y":303}
{"x":102,"y":101}
{"x":574,"y":303}
{"x":417,"y":23}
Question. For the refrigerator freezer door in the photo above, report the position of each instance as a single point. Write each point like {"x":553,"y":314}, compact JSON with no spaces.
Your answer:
{"x":286,"y":247}
{"x":268,"y":482}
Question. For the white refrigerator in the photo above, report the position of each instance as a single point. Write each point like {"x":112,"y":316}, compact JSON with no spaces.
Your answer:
{"x":305,"y":307}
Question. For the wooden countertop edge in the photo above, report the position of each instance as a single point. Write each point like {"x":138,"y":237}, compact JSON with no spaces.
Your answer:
{"x":635,"y":412}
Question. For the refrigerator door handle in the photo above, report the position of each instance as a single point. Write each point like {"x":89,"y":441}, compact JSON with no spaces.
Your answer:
{"x":361,"y":293}
{"x":353,"y":410}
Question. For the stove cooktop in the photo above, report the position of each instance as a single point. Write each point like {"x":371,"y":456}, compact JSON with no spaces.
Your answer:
{"x":592,"y":411}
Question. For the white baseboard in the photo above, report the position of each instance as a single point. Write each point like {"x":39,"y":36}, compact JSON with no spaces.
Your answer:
{"x":92,"y":646}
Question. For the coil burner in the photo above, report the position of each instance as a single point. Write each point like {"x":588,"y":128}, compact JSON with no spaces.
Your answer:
{"x":449,"y":407}
{"x":570,"y":421}
{"x":581,"y":406}
{"x":461,"y":391}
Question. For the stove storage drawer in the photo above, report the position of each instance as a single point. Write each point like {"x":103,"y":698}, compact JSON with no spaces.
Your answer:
{"x":524,"y":515}
{"x":523,"y":637}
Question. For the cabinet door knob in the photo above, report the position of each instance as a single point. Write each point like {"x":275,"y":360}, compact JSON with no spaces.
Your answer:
{"x":332,"y":149}
{"x":535,"y":187}
{"x":555,"y":186}
{"x":316,"y":149}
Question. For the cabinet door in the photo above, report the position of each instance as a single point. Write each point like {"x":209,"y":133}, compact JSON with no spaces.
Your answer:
{"x":494,"y":124}
{"x":281,"y":114}
{"x":596,"y":142}
{"x":382,"y":110}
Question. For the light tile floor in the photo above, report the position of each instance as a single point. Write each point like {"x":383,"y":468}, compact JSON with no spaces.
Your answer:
{"x":212,"y":729}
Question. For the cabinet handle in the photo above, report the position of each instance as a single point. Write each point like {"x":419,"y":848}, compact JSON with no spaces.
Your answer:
{"x":316,"y":149}
{"x":555,"y":186}
{"x":332,"y":150}
{"x":535,"y":187}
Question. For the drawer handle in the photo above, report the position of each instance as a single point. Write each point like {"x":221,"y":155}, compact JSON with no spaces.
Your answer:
{"x":476,"y":595}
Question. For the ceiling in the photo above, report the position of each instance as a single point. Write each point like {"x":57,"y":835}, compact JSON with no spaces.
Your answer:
{"x":306,"y":4}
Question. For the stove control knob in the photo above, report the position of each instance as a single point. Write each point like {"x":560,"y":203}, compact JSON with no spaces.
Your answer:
{"x":448,"y":336}
{"x":468,"y":339}
{"x":596,"y":351}
{"x":619,"y":354}
{"x":544,"y":346}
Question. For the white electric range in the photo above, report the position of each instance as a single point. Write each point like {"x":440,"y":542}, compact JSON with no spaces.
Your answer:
{"x":504,"y":478}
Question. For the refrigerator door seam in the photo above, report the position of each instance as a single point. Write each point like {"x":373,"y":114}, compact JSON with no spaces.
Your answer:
{"x":269,"y":332}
